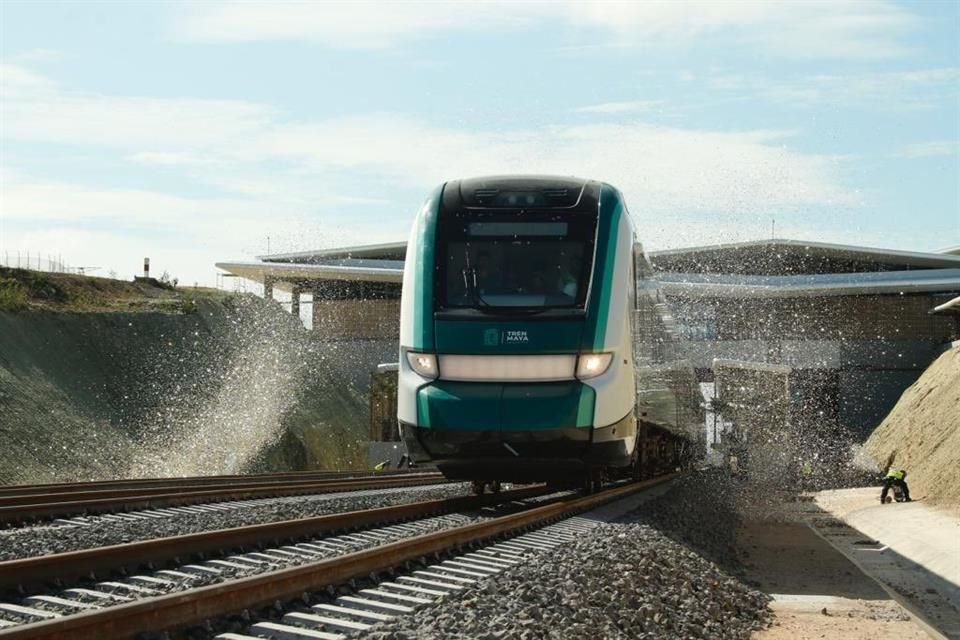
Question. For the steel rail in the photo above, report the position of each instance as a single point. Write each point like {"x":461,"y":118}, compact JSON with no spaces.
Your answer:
{"x":92,"y":485}
{"x":20,"y":513}
{"x":182,"y":485}
{"x":73,"y":565}
{"x":162,"y":613}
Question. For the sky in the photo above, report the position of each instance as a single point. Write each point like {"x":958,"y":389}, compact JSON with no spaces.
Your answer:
{"x":191,"y":132}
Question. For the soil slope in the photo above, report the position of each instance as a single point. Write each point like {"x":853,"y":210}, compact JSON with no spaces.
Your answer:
{"x":210,"y":384}
{"x":922,"y":432}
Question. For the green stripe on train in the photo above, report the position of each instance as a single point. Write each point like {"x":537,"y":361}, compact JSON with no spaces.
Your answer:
{"x":611,"y":208}
{"x":586,"y":406}
{"x":423,"y":272}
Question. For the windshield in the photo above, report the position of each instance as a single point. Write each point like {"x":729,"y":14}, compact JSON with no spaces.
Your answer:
{"x":516,"y":263}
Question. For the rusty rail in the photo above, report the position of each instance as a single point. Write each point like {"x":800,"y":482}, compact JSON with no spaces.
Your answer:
{"x":12,"y":513}
{"x":8,"y":491}
{"x":194,"y":607}
{"x":73,"y":565}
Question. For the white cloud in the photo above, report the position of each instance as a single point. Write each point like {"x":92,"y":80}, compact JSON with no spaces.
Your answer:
{"x":17,"y":81}
{"x":171,"y":159}
{"x":114,"y":228}
{"x":660,"y":168}
{"x":615,"y":108}
{"x":34,"y":108}
{"x":239,"y":147}
{"x":930,"y":149}
{"x":858,"y":29}
{"x":917,"y":89}
{"x":272,"y":175}
{"x":36,"y":56}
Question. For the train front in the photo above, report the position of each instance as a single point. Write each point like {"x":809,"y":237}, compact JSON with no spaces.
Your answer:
{"x":515,"y":351}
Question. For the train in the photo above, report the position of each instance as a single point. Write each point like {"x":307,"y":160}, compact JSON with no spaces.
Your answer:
{"x":521,"y":346}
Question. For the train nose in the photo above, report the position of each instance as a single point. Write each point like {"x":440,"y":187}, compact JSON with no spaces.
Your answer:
{"x":504,"y":407}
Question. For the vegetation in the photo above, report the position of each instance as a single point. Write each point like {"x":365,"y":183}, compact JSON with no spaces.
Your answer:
{"x":23,"y":289}
{"x":13,"y":297}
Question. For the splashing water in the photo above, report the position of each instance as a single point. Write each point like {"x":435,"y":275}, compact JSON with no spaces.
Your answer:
{"x":220,"y":421}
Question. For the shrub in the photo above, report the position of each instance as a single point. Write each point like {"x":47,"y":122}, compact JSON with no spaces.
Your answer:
{"x":13,"y":297}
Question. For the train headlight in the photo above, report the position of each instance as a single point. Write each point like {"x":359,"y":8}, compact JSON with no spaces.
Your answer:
{"x":591,"y":365}
{"x":425,"y":364}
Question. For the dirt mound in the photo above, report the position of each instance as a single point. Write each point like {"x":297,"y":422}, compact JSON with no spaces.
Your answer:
{"x":922,"y":433}
{"x":26,"y":290}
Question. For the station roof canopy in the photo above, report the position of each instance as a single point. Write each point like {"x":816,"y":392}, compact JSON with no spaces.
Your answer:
{"x":767,"y":268}
{"x":386,"y":251}
{"x":795,"y":257}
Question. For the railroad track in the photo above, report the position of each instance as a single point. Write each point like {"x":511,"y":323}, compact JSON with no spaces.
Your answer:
{"x":355,"y":556}
{"x":31,"y":503}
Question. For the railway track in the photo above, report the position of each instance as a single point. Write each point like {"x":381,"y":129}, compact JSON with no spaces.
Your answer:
{"x":24,"y":504}
{"x":310,"y":569}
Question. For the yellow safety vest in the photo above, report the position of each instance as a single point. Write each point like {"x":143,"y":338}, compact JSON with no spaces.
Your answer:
{"x":897,"y":474}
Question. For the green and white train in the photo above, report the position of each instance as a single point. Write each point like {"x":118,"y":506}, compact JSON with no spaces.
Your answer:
{"x":517,"y":355}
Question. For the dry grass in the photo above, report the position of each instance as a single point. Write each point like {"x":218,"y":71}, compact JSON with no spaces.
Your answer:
{"x":922,"y":432}
{"x":23,"y":290}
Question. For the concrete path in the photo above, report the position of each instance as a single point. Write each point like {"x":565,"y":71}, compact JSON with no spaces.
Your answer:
{"x":911,"y":548}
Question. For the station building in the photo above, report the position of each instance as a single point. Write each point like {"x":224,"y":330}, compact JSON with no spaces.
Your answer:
{"x":847,"y":327}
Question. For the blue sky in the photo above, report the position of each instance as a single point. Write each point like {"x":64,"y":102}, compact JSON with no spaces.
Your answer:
{"x":190,"y":132}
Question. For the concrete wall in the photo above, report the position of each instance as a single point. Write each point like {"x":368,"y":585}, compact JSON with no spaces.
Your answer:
{"x":357,"y":318}
{"x":832,"y":318}
{"x":861,"y":352}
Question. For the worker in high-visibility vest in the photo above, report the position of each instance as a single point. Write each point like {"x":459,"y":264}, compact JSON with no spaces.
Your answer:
{"x":895,"y":478}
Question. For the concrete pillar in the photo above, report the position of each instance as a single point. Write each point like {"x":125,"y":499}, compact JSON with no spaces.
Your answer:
{"x":295,"y":301}
{"x":268,"y":288}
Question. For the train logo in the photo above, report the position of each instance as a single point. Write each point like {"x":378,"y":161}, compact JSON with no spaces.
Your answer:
{"x":491,"y":337}
{"x":515,"y":337}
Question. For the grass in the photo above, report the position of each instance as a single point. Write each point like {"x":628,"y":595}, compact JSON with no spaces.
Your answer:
{"x":13,"y":297}
{"x":22,"y":289}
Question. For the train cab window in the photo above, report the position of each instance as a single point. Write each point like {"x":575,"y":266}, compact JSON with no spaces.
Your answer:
{"x":526,"y":262}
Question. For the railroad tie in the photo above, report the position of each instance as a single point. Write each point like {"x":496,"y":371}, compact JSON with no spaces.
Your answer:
{"x":226,"y":564}
{"x":414,"y":590}
{"x":322,"y":622}
{"x":201,"y":569}
{"x":375,"y":605}
{"x":131,"y":588}
{"x":111,"y":598}
{"x":488,"y":561}
{"x":430,"y":583}
{"x":363,"y":614}
{"x":60,"y":602}
{"x":286,"y":632}
{"x":28,"y":611}
{"x":150,"y":580}
{"x":432,"y":575}
{"x":399,"y":597}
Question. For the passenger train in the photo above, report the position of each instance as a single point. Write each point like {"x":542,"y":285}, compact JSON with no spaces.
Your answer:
{"x":517,"y":355}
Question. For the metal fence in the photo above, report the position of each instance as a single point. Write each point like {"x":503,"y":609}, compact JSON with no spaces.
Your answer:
{"x":39,"y":261}
{"x":35,"y":260}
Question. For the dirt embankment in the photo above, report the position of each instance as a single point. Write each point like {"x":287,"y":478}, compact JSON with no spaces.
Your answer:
{"x":176,"y":384}
{"x":922,"y":432}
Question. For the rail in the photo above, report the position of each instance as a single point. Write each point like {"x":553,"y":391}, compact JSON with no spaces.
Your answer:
{"x":14,"y":509}
{"x":182,"y":609}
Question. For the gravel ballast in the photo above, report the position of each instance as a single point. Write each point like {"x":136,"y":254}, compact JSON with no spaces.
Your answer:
{"x":638,"y":577}
{"x":25,"y":542}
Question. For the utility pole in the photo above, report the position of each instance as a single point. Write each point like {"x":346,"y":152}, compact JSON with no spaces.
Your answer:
{"x":773,"y":226}
{"x":268,"y":245}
